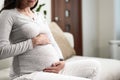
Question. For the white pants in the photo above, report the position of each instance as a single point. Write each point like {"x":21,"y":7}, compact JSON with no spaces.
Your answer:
{"x":83,"y":68}
{"x":74,"y":70}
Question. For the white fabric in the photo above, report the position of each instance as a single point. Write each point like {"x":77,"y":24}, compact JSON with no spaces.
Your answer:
{"x":110,"y":68}
{"x":70,"y":38}
{"x":48,"y":76}
{"x":79,"y":68}
{"x":5,"y":63}
{"x":4,"y":74}
{"x":17,"y":31}
{"x":83,"y":68}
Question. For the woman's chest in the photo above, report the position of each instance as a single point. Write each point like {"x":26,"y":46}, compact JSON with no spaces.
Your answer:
{"x":28,"y":28}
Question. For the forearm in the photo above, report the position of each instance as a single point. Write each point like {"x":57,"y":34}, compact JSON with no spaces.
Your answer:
{"x":10,"y":50}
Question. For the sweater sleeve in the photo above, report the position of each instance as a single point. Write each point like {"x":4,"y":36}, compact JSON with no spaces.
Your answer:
{"x":6,"y":48}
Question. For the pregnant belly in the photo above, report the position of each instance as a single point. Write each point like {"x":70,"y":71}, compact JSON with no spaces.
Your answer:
{"x":38,"y":59}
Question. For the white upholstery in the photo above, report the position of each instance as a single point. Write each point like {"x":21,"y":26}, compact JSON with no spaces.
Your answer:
{"x":5,"y":63}
{"x":48,"y":76}
{"x":115,"y":49}
{"x":110,"y":67}
{"x":4,"y":74}
{"x":70,"y":38}
{"x":4,"y":68}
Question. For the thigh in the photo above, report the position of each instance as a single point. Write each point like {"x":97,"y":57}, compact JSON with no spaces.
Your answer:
{"x":48,"y":76}
{"x":82,"y":68}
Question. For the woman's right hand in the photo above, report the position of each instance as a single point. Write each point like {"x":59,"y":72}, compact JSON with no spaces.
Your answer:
{"x":41,"y":39}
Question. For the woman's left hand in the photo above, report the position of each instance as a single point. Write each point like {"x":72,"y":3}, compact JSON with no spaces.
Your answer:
{"x":56,"y":67}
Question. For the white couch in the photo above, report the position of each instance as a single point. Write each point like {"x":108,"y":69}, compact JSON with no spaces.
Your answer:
{"x":110,"y":67}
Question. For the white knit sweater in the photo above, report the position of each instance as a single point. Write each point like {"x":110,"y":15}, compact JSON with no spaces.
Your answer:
{"x":16,"y":31}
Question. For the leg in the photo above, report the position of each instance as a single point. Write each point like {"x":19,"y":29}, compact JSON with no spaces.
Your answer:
{"x":82,"y":68}
{"x":48,"y":76}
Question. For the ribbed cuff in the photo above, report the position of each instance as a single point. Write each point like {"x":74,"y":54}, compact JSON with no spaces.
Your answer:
{"x":30,"y":43}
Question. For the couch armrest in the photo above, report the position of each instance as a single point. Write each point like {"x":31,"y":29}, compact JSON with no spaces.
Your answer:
{"x":70,"y":38}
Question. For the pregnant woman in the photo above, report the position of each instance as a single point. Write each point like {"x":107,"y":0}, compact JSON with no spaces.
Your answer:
{"x":26,"y":37}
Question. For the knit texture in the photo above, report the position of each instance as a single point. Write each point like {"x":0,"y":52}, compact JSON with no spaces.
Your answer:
{"x":17,"y":31}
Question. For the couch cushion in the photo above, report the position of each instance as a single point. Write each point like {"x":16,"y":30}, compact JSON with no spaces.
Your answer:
{"x":61,"y":40}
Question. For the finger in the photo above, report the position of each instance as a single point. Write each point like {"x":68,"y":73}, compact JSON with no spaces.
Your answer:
{"x":51,"y":71}
{"x":48,"y":41}
{"x":50,"y":68}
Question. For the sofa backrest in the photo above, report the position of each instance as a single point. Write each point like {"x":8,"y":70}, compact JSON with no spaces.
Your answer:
{"x":62,"y":41}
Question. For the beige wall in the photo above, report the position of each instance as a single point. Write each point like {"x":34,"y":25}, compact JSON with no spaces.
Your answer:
{"x":106,"y":26}
{"x":1,"y":3}
{"x":117,"y":19}
{"x":47,"y":7}
{"x":98,"y":18}
{"x":90,"y":27}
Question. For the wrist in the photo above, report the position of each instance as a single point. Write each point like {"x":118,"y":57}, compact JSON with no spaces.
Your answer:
{"x":33,"y":42}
